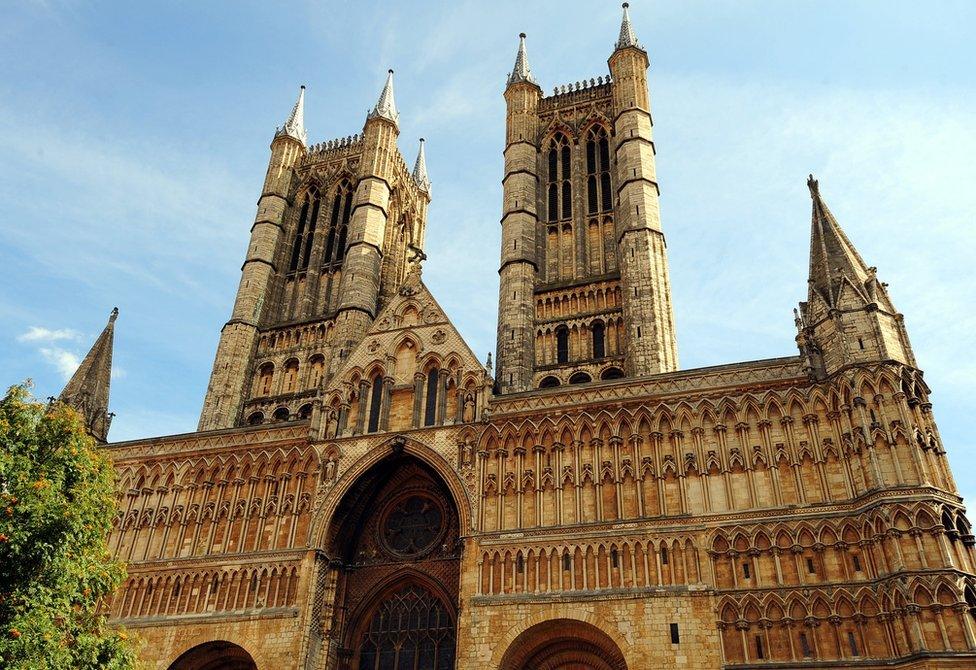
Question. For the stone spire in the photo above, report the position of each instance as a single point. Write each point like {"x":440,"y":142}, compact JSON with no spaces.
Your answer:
{"x":420,"y":169}
{"x":88,"y":389}
{"x":521,"y":72}
{"x":627,"y":37}
{"x":386,"y":107}
{"x":295,"y":125}
{"x":833,"y":259}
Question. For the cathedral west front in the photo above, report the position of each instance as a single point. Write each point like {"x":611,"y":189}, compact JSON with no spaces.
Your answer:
{"x":365,"y":493}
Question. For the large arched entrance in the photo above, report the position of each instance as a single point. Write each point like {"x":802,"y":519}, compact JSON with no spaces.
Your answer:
{"x":563,"y":644}
{"x":217,"y":655}
{"x":395,"y":542}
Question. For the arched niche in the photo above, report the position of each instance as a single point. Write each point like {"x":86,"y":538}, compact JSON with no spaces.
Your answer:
{"x":216,"y":655}
{"x":563,"y":644}
{"x":394,"y":544}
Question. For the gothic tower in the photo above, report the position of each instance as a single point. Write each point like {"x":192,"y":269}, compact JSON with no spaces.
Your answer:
{"x":330,"y":245}
{"x":584,"y":288}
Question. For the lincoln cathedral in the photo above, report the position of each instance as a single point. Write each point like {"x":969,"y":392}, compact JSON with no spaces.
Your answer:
{"x":363,"y":492}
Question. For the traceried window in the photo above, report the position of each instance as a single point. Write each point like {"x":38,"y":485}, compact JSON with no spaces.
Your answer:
{"x":559,"y":164}
{"x":335,"y":240}
{"x":411,"y":629}
{"x":413,"y":525}
{"x":304,"y":234}
{"x":599,"y":197}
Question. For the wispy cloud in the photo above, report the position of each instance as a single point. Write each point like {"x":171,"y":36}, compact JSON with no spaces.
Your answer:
{"x":63,"y":360}
{"x":41,"y":334}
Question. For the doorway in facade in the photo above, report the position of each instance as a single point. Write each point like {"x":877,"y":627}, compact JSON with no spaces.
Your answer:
{"x":217,"y":655}
{"x":396,"y":542}
{"x":563,"y":644}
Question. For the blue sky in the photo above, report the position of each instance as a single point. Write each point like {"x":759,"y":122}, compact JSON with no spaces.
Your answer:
{"x":134,"y":141}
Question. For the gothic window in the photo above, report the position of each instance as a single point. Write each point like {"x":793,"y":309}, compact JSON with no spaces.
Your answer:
{"x":410,"y":629}
{"x":559,"y":172}
{"x":281,"y":414}
{"x":413,"y":525}
{"x":304,"y":234}
{"x":430,"y":406}
{"x":317,"y":363}
{"x":599,"y":339}
{"x":335,"y":241}
{"x":256,"y":419}
{"x":599,"y":197}
{"x":305,"y":411}
{"x":562,"y":344}
{"x":375,"y":401}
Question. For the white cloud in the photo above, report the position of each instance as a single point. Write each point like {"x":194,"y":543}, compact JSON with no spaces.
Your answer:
{"x":65,"y":361}
{"x":41,"y":334}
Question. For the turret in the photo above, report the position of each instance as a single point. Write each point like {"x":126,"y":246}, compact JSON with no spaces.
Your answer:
{"x":848,"y":317}
{"x":225,"y":391}
{"x":518,"y":267}
{"x":641,"y":248}
{"x":360,"y":284}
{"x":88,"y":389}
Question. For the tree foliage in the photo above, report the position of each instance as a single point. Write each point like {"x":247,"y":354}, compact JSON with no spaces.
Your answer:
{"x":57,"y":502}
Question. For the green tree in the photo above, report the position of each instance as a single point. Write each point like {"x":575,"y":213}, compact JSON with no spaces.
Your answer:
{"x":57,"y":502}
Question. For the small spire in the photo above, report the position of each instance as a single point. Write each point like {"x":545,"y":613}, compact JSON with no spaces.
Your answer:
{"x":386,"y":107}
{"x":521,"y":72}
{"x":295,"y":125}
{"x":88,"y":389}
{"x":833,"y":258}
{"x":627,"y":37}
{"x":420,"y":169}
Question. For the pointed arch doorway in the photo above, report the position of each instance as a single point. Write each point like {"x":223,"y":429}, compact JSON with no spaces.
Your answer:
{"x":395,"y":540}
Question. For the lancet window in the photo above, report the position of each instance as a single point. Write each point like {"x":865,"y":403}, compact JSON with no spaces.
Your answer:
{"x":599,"y":197}
{"x":305,"y":232}
{"x":335,"y":241}
{"x":558,"y":175}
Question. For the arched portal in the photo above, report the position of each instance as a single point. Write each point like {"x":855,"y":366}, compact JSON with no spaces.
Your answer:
{"x":394,"y":543}
{"x":563,"y":644}
{"x":217,"y":655}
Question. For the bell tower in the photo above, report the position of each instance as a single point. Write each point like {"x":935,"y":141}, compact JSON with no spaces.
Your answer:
{"x":585,"y":293}
{"x":331,"y":243}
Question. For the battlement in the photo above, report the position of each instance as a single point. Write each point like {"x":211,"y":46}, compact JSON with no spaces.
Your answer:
{"x":576,"y":92}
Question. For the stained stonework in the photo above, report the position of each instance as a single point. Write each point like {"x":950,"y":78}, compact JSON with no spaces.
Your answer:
{"x":364,"y":492}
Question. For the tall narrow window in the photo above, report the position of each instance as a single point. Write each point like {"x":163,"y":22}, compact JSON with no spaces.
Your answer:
{"x":309,"y":234}
{"x":664,"y":555}
{"x":852,"y":642}
{"x":430,"y":408}
{"x":375,"y":400}
{"x":599,"y":339}
{"x":559,"y":163}
{"x":805,"y":646}
{"x":296,"y":247}
{"x":599,"y":196}
{"x":335,"y":240}
{"x":760,"y":654}
{"x":562,"y":344}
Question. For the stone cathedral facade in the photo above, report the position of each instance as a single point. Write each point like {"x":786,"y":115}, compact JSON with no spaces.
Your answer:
{"x":364,"y":493}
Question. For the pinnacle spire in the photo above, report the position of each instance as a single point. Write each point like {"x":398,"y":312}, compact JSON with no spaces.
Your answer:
{"x":521,"y":71}
{"x":295,"y":125}
{"x":386,"y":107}
{"x":833,"y":258}
{"x":88,"y":389}
{"x":420,"y":169}
{"x":627,"y":37}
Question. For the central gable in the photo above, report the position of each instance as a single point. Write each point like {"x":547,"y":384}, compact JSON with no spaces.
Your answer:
{"x":412,"y":369}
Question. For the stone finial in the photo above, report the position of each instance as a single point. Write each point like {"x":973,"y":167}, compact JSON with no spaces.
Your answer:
{"x":385,"y":107}
{"x":295,"y":125}
{"x":521,"y":71}
{"x":420,"y":169}
{"x":627,"y":37}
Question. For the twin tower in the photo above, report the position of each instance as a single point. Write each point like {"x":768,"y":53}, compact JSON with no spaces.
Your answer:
{"x":584,"y":288}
